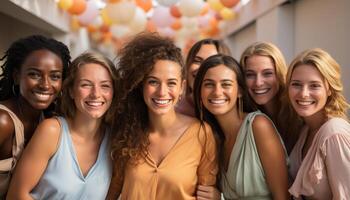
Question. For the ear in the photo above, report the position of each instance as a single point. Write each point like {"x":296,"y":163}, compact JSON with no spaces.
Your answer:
{"x":183,"y":87}
{"x":329,"y":92}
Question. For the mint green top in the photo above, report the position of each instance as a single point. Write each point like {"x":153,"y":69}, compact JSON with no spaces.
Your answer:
{"x":245,"y":177}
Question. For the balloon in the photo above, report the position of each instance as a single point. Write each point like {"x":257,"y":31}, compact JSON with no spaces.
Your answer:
{"x":175,"y":12}
{"x":227,"y":14}
{"x":121,"y":12}
{"x":75,"y":24}
{"x":162,"y":17}
{"x":167,"y":32}
{"x":105,"y":18}
{"x":120,"y":30}
{"x":167,"y":3}
{"x":176,"y":25}
{"x":190,"y":8}
{"x":77,"y":7}
{"x":205,"y":9}
{"x":138,"y":23}
{"x":150,"y":26}
{"x":215,"y":5}
{"x":113,"y":1}
{"x":146,"y":5}
{"x":65,"y":4}
{"x":89,"y":14}
{"x":229,"y":3}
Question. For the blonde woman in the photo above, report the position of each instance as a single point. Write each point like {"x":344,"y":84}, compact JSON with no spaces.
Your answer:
{"x":319,"y":162}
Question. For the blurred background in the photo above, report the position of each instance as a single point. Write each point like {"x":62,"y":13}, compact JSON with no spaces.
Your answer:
{"x":105,"y":25}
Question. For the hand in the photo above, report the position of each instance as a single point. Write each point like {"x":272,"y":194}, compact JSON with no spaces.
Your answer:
{"x":208,"y":193}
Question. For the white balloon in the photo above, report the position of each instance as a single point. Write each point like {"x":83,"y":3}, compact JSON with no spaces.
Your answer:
{"x":190,"y":8}
{"x":139,"y":22}
{"x":121,"y":12}
{"x":120,"y":30}
{"x":167,"y":3}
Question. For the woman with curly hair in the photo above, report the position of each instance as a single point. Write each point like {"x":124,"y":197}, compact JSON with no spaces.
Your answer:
{"x":68,"y":156}
{"x":157,"y":152}
{"x":319,"y":162}
{"x":200,"y":51}
{"x":30,"y":80}
{"x":265,"y":70}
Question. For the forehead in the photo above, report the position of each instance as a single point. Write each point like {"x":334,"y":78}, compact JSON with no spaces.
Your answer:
{"x":207,"y":50}
{"x":306,"y":72}
{"x":166,"y":68}
{"x":257,"y":63}
{"x":93,"y":71}
{"x":220,"y":72}
{"x":42,"y":59}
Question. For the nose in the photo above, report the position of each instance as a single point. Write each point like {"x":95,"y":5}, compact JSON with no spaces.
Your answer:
{"x":305,"y":91}
{"x":218,"y":90}
{"x":95,"y":91}
{"x":162,"y":90}
{"x":45,"y":83}
{"x":259,"y":81}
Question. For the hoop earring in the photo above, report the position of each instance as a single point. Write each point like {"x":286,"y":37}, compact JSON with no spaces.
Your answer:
{"x":240,"y":107}
{"x":14,"y":89}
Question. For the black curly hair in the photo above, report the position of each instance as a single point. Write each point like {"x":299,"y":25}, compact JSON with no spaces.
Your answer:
{"x":19,"y":51}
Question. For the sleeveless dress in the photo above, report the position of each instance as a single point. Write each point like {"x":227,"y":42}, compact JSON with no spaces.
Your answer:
{"x":245,"y":177}
{"x":7,"y":165}
{"x":63,"y":178}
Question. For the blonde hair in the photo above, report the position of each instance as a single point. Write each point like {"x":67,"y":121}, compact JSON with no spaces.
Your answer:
{"x":269,"y":50}
{"x":336,"y":105}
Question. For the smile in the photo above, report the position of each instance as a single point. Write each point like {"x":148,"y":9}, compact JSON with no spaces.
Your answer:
{"x":305,"y":103}
{"x":261,"y":91}
{"x":217,"y":101}
{"x":42,"y":96}
{"x":161,"y":101}
{"x":94,"y":103}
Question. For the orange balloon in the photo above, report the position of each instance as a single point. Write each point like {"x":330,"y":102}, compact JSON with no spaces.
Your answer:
{"x":113,"y":1}
{"x":204,"y":10}
{"x":146,"y":5}
{"x":104,"y":28}
{"x":176,"y":25}
{"x":91,"y":28}
{"x":229,"y":3}
{"x":175,"y":12}
{"x":78,"y":7}
{"x":150,"y":26}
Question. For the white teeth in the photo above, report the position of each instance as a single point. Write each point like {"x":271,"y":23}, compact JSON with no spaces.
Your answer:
{"x":305,"y":103}
{"x":217,"y":101}
{"x":260,"y":91}
{"x":93,"y":103}
{"x":41,"y":96}
{"x":162,"y":102}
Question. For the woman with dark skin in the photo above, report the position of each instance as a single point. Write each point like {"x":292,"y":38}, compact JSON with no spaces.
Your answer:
{"x":30,"y":82}
{"x":200,"y":51}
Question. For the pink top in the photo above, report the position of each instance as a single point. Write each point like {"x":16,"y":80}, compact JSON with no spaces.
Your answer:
{"x":324,"y":173}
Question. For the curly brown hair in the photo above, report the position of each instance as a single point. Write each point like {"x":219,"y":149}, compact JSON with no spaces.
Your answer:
{"x":136,"y":61}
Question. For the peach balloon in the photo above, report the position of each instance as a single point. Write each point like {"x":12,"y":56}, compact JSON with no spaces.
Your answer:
{"x":78,"y":7}
{"x":146,"y":5}
{"x":65,"y":4}
{"x":175,"y":12}
{"x":229,"y":3}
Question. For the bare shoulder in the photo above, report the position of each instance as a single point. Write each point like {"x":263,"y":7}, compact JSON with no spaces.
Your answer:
{"x":49,"y":131}
{"x":263,"y":128}
{"x":7,"y":126}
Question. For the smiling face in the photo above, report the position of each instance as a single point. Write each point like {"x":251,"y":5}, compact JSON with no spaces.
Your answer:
{"x":162,"y":87}
{"x":204,"y":52}
{"x":261,"y":79}
{"x":40,"y":78}
{"x":219,"y":90}
{"x":92,"y":90}
{"x":308,"y":92}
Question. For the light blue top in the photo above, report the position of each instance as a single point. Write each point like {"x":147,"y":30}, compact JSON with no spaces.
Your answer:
{"x":63,"y":178}
{"x":245,"y":177}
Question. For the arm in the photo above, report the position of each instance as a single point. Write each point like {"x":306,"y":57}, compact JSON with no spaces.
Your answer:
{"x":34,"y":159}
{"x":337,"y":161}
{"x":272,"y":157}
{"x":208,"y":168}
{"x":7,"y":130}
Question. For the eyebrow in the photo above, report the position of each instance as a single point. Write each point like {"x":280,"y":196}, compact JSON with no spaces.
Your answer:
{"x":37,"y":70}
{"x":170,"y":79}
{"x":223,"y":80}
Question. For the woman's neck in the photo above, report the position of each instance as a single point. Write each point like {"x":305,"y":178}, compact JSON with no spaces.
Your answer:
{"x":230,"y":123}
{"x":88,"y":128}
{"x":162,"y":123}
{"x":315,"y":121}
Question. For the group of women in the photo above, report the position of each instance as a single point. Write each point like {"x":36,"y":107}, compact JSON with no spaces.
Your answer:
{"x":154,"y":127}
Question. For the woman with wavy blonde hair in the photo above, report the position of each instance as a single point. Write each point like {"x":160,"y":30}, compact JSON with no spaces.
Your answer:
{"x":320,"y":159}
{"x":265,"y":70}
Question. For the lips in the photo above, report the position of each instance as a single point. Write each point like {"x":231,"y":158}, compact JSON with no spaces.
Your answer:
{"x":94,"y":103}
{"x":42,"y":96}
{"x":217,"y":101}
{"x":161,"y":102}
{"x":305,"y":102}
{"x":261,"y":91}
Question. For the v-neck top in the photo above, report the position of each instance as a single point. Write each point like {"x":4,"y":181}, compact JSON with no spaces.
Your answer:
{"x":324,"y":172}
{"x":245,"y":176}
{"x":7,"y":165}
{"x":63,"y":178}
{"x":191,"y":161}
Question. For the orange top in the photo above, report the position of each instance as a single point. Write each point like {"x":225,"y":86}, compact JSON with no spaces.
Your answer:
{"x":191,"y":161}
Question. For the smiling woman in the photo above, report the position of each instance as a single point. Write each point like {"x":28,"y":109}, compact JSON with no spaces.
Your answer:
{"x":30,"y":81}
{"x":154,"y":146}
{"x":73,"y":162}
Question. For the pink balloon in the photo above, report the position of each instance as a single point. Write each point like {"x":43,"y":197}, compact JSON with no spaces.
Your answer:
{"x":89,"y":14}
{"x":162,"y":17}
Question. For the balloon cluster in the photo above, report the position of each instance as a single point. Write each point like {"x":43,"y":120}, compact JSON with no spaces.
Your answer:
{"x":184,"y":20}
